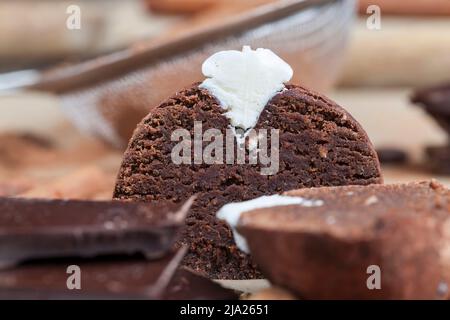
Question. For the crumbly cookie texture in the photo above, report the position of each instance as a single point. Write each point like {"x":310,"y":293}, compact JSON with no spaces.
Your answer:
{"x":320,"y":144}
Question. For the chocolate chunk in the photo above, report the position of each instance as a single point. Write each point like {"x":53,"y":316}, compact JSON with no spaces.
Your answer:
{"x":189,"y":285}
{"x":392,"y":156}
{"x":14,"y":187}
{"x":33,"y":229}
{"x":438,"y":159}
{"x":331,"y":251}
{"x":436,"y":102}
{"x":319,"y":144}
{"x":107,"y":278}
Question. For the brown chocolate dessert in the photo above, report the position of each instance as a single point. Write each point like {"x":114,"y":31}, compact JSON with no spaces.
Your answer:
{"x":438,"y":159}
{"x":330,"y":251}
{"x":38,"y":228}
{"x":389,"y":155}
{"x":107,"y":278}
{"x":118,"y":277}
{"x":240,"y":134}
{"x":436,"y":102}
{"x":320,"y":144}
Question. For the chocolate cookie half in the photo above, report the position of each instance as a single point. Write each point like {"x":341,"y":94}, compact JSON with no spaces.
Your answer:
{"x":302,"y":140}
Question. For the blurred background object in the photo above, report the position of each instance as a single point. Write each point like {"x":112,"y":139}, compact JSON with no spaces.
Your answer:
{"x":180,"y":6}
{"x":409,"y":8}
{"x":107,"y":96}
{"x":384,"y":66}
{"x":33,"y":33}
{"x":412,"y":47}
{"x":129,"y":55}
{"x":407,"y":51}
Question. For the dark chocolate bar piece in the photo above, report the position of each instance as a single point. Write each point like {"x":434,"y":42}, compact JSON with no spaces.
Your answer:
{"x":101,"y":278}
{"x":35,"y":229}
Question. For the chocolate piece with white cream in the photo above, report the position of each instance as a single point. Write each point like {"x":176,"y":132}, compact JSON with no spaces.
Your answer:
{"x":363,"y":242}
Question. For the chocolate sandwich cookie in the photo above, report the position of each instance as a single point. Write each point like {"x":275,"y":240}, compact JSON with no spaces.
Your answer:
{"x":240,"y":134}
{"x":39,"y":228}
{"x":353,"y":242}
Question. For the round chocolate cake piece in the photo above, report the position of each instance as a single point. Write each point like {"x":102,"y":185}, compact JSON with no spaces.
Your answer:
{"x":238,"y":135}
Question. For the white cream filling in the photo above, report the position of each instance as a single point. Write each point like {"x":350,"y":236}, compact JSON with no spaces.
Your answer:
{"x":232,"y":212}
{"x":244,"y":82}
